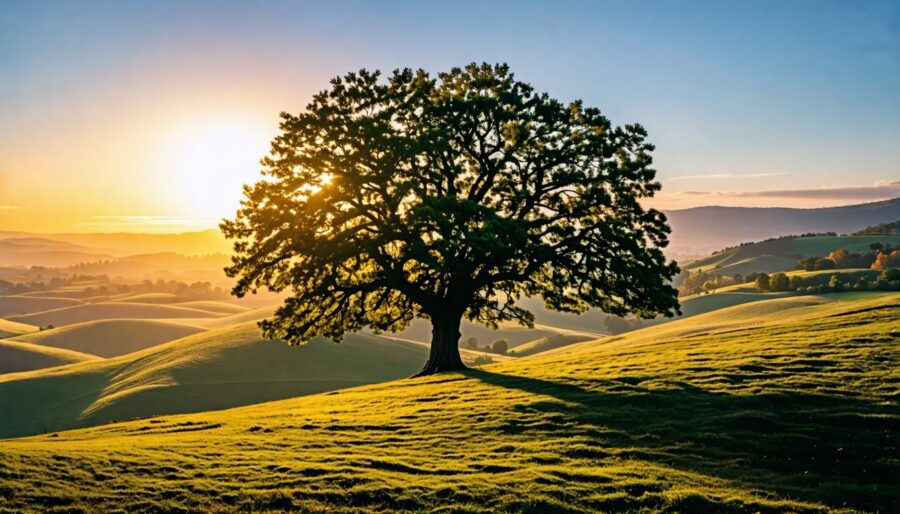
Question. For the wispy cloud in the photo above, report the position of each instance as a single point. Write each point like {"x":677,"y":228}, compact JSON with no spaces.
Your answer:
{"x":9,"y":207}
{"x":879,"y":191}
{"x":714,"y":176}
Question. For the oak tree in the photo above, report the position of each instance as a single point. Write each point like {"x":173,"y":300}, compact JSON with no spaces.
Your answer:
{"x":449,"y":197}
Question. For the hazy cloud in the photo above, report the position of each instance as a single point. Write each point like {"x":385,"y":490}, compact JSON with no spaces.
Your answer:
{"x":879,"y":191}
{"x":727,"y":175}
{"x":9,"y":207}
{"x":138,"y":221}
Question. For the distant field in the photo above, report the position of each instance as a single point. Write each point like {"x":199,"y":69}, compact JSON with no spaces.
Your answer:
{"x":787,"y":405}
{"x":108,"y":310}
{"x":210,"y":323}
{"x":213,"y":306}
{"x":110,"y":338}
{"x":782,"y":254}
{"x":16,"y":356}
{"x":18,"y":305}
{"x":157,"y":298}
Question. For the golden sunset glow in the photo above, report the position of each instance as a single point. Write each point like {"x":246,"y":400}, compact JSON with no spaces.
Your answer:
{"x":206,"y":161}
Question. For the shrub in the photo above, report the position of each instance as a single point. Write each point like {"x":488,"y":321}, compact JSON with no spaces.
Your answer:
{"x":500,"y":346}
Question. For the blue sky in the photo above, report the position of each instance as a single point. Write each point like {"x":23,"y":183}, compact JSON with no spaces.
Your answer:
{"x":751,"y":103}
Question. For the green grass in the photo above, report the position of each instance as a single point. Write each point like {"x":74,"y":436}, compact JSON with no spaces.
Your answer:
{"x":702,"y":303}
{"x":210,"y":370}
{"x":786,"y":405}
{"x":547,"y":343}
{"x":16,"y":356}
{"x":782,"y":254}
{"x":110,"y":338}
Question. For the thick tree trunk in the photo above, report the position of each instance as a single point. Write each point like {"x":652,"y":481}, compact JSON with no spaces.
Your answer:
{"x":444,"y":355}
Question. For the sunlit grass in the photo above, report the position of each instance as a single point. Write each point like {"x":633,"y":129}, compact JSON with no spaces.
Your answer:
{"x":780,"y":406}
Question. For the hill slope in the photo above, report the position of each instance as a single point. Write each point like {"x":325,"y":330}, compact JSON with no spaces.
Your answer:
{"x":16,"y":356}
{"x":782,"y":254}
{"x":19,"y":305}
{"x":110,"y":338}
{"x":715,"y":227}
{"x":781,"y":406}
{"x":211,"y":370}
{"x":12,"y":329}
{"x":108,"y":310}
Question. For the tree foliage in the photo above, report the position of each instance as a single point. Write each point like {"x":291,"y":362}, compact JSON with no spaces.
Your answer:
{"x":448,"y":197}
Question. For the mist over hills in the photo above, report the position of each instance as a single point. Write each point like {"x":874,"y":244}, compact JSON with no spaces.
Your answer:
{"x":699,"y":230}
{"x":121,"y":244}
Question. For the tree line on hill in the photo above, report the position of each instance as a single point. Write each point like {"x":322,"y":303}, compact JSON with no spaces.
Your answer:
{"x":13,"y":288}
{"x":890,"y":229}
{"x":184,"y":290}
{"x":879,"y":257}
{"x":886,"y":280}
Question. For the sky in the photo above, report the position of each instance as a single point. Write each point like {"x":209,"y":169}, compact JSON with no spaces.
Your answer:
{"x":149,"y":116}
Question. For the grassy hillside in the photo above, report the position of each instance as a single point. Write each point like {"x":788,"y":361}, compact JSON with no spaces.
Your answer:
{"x":108,"y":310}
{"x":548,"y":343}
{"x":420,"y":330}
{"x":19,"y":305}
{"x":17,"y":356}
{"x":780,"y":406}
{"x":12,"y":328}
{"x":156,"y":298}
{"x":213,"y":306}
{"x":703,"y":303}
{"x":227,"y":321}
{"x":782,"y":254}
{"x":110,"y":338}
{"x":212,"y":370}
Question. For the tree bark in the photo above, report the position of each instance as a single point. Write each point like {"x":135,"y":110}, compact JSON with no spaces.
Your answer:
{"x":444,"y":354}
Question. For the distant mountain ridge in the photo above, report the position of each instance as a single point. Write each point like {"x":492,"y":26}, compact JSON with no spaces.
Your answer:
{"x":702,"y":229}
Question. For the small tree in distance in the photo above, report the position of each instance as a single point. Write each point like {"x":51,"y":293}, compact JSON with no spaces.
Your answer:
{"x":446,"y":198}
{"x":500,"y":346}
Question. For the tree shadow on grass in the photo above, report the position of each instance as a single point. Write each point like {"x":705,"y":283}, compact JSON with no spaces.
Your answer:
{"x":837,"y":450}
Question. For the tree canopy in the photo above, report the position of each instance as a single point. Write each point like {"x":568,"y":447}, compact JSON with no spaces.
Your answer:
{"x":449,"y":197}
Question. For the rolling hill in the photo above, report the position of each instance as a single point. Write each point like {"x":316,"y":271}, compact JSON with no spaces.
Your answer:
{"x":109,"y":337}
{"x":704,"y":229}
{"x":547,"y":343}
{"x":780,"y":406}
{"x":39,"y":251}
{"x":18,"y":356}
{"x":12,"y":329}
{"x":782,"y":254}
{"x":210,"y":370}
{"x":19,"y":305}
{"x":420,"y":330}
{"x":108,"y":310}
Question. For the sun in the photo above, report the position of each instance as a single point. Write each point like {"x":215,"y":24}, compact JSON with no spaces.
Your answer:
{"x":207,"y":161}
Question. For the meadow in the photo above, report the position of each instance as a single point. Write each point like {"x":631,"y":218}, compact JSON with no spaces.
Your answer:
{"x":784,"y":405}
{"x":782,"y":254}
